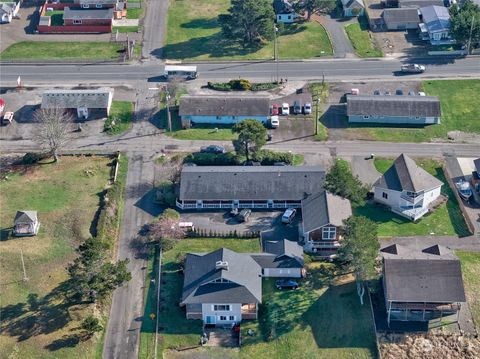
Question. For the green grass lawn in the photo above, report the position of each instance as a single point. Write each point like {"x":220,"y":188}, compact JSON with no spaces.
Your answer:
{"x":121,"y":113}
{"x":194,"y":33}
{"x":40,"y":50}
{"x":134,"y":13}
{"x":176,"y":330}
{"x":471,"y":277}
{"x":124,"y":29}
{"x":459,"y":113}
{"x":445,"y":220}
{"x":37,"y":321}
{"x":361,"y":40}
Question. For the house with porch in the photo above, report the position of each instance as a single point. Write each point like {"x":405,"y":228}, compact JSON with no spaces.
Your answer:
{"x":435,"y":25}
{"x":414,"y":110}
{"x":407,"y":189}
{"x":8,"y":10}
{"x":26,"y":224}
{"x":284,"y":11}
{"x":353,"y":8}
{"x":323,"y":214}
{"x":282,"y":258}
{"x":84,"y":102}
{"x":421,"y":283}
{"x":267,"y":187}
{"x":475,"y":179}
{"x":222,"y":109}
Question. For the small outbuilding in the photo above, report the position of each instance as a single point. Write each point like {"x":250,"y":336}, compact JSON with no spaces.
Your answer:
{"x":401,"y":19}
{"x":26,"y":224}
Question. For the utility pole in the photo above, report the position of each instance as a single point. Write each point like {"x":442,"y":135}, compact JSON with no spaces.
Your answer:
{"x":470,"y":36}
{"x":158,"y":299}
{"x":275,"y":50}
{"x":316,"y":115}
{"x":25,"y":278}
{"x":167,"y":103}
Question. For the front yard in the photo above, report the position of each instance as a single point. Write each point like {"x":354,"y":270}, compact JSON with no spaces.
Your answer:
{"x":193,"y":33}
{"x":471,"y":277}
{"x":120,"y":118}
{"x":37,"y":319}
{"x":38,"y":50}
{"x":361,"y":40}
{"x":445,"y":220}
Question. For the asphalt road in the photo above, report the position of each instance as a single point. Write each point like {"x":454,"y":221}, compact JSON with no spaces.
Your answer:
{"x":332,"y":69}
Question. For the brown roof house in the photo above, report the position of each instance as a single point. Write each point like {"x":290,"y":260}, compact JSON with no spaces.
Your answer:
{"x":407,"y":189}
{"x":421,"y":284}
{"x":323,"y":214}
{"x":26,"y":224}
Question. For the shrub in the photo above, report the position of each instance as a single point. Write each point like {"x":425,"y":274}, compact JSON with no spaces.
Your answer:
{"x":171,"y":213}
{"x":240,"y":85}
{"x":212,"y":159}
{"x":263,"y":86}
{"x":268,"y":158}
{"x":91,"y":325}
{"x":166,"y":194}
{"x":31,"y":158}
{"x":219,"y":86}
{"x":166,"y":243}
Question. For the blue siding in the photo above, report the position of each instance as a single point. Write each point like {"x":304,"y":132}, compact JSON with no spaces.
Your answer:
{"x":394,"y":120}
{"x":223,"y":119}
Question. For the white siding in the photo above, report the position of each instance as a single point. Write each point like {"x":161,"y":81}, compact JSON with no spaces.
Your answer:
{"x":282,"y":272}
{"x":235,"y":311}
{"x":393,"y":199}
{"x":431,"y":196}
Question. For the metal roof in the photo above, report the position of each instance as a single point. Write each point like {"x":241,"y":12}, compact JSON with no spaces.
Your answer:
{"x":99,"y":98}
{"x":80,"y":14}
{"x":180,"y":68}
{"x":25,"y":216}
{"x":224,"y":105}
{"x":435,"y":18}
{"x":401,"y":15}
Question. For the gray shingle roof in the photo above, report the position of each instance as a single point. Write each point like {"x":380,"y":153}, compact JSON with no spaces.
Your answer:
{"x":25,"y":216}
{"x":282,"y":7}
{"x":401,"y":15}
{"x":224,"y":106}
{"x":405,"y":175}
{"x":411,"y":106}
{"x":422,"y":275}
{"x":99,"y":14}
{"x":280,"y":254}
{"x":243,"y":274}
{"x":476,"y":163}
{"x":324,"y":208}
{"x":250,"y":182}
{"x":418,"y":3}
{"x":99,"y":98}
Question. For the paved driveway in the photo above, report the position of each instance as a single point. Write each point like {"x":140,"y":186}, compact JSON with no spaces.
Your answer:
{"x":335,"y":27}
{"x":364,"y":169}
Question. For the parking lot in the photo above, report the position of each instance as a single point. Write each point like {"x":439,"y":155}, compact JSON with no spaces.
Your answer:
{"x":269,"y":223}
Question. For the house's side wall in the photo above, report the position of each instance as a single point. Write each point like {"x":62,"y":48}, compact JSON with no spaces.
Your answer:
{"x":402,"y":25}
{"x":89,"y":22}
{"x":355,"y":10}
{"x":393,"y":199}
{"x":223,"y":119}
{"x":394,"y":119}
{"x":282,"y":272}
{"x":286,"y":18}
{"x":431,"y":196}
{"x":235,"y":311}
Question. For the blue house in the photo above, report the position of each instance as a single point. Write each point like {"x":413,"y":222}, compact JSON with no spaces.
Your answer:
{"x":284,"y":11}
{"x":223,"y":109}
{"x":414,"y":110}
{"x":435,"y":25}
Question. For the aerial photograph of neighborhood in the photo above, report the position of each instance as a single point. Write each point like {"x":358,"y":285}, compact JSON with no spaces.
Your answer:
{"x":239,"y":179}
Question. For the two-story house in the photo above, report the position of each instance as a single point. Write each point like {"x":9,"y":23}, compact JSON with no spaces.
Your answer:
{"x":407,"y":188}
{"x":284,"y":11}
{"x":435,"y":25}
{"x":322,"y":218}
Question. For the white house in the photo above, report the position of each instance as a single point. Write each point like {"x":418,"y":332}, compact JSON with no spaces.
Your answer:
{"x":407,"y":189}
{"x":280,"y":259}
{"x":435,"y":25}
{"x":284,"y":11}
{"x":223,"y":109}
{"x":8,"y":10}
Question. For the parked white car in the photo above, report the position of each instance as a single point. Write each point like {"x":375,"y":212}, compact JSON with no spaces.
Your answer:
{"x":285,"y":109}
{"x":289,"y":215}
{"x":307,"y":108}
{"x":274,"y":122}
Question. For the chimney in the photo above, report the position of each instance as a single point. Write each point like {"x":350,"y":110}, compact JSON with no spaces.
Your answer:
{"x":221,"y":265}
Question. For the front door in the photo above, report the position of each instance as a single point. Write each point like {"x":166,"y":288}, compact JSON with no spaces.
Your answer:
{"x":210,"y":319}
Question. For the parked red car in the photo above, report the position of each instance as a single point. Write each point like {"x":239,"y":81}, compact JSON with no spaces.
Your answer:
{"x":274,"y":109}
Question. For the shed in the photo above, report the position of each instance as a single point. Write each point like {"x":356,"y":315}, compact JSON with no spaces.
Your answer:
{"x":26,"y":224}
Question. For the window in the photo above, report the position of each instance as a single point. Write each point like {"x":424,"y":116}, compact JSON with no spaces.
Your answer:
{"x":85,"y":6}
{"x":98,"y":5}
{"x":385,"y":195}
{"x":223,"y":317}
{"x":232,"y":317}
{"x":222,"y":307}
{"x":329,"y":233}
{"x":366,"y":117}
{"x":77,"y":22}
{"x":289,"y":17}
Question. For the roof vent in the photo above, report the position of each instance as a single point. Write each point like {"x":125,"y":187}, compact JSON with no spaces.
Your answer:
{"x":221,"y":265}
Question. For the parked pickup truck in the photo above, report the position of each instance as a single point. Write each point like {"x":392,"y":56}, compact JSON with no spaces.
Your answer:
{"x":413,"y":68}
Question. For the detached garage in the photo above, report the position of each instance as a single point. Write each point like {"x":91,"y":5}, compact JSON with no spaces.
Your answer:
{"x":401,"y":18}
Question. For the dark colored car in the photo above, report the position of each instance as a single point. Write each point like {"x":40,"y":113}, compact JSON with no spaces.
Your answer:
{"x":286,"y":284}
{"x":399,"y":92}
{"x":213,"y":149}
{"x":244,"y":215}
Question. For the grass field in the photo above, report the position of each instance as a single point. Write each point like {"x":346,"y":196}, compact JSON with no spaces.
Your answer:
{"x":194,"y":33}
{"x":471,"y":278}
{"x":124,"y":29}
{"x":37,"y":320}
{"x":459,"y":113}
{"x":361,"y":41}
{"x":177,"y":331}
{"x":122,"y":113}
{"x":134,"y":13}
{"x":445,"y":220}
{"x":39,"y":50}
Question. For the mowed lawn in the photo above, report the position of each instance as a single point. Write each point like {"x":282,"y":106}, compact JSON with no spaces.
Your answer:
{"x":445,"y":220}
{"x":176,"y":331}
{"x":120,"y":118}
{"x":460,"y":112}
{"x":194,"y":33}
{"x":361,"y":40}
{"x":40,"y":50}
{"x":36,"y":320}
{"x":471,"y":277}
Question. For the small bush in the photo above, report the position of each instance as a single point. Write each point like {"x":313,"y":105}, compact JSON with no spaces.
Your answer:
{"x":268,"y":158}
{"x":263,"y":86}
{"x":219,"y":86}
{"x":212,"y":159}
{"x":240,"y":85}
{"x":171,"y":213}
{"x":91,"y":325}
{"x":166,"y":243}
{"x":31,"y":158}
{"x":165,"y":194}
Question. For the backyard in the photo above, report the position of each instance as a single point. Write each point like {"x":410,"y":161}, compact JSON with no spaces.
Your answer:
{"x":361,"y":40}
{"x":471,"y":277}
{"x":38,"y":320}
{"x":62,"y":50}
{"x":459,"y":113}
{"x":120,"y":118}
{"x":447,"y":219}
{"x":193,"y":33}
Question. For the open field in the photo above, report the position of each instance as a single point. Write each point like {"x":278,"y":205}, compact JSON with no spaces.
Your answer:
{"x":194,"y":33}
{"x":62,"y":50}
{"x":37,"y":319}
{"x":471,"y":278}
{"x":176,"y":330}
{"x":445,"y":220}
{"x":121,"y":113}
{"x":361,"y":41}
{"x":459,"y":113}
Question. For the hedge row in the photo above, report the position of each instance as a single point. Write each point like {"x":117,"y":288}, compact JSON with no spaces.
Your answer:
{"x":212,"y":159}
{"x":241,"y":85}
{"x":268,"y":158}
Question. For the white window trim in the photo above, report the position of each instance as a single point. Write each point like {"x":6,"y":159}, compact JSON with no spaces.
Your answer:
{"x":327,"y":233}
{"x":98,"y":6}
{"x":227,"y":309}
{"x":77,"y":21}
{"x":366,"y":117}
{"x":86,"y":6}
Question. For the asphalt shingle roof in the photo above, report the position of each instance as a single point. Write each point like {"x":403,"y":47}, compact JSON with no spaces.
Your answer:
{"x":224,"y":106}
{"x":100,"y":14}
{"x":418,"y":3}
{"x":324,"y":208}
{"x":250,"y":182}
{"x":401,"y":15}
{"x":280,"y":254}
{"x":99,"y":98}
{"x":243,"y":274}
{"x":411,"y":106}
{"x":405,"y":175}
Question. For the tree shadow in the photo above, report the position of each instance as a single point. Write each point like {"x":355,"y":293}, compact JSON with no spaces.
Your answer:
{"x":67,"y":341}
{"x":211,"y":23}
{"x":147,"y":204}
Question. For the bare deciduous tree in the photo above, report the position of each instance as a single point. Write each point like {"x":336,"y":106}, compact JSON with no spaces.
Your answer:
{"x":166,"y":227}
{"x":55,"y":126}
